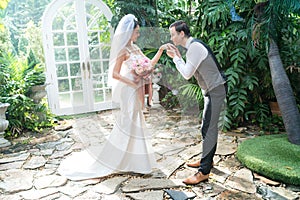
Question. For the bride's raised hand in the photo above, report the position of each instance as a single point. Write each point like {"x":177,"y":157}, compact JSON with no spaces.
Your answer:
{"x":163,"y":47}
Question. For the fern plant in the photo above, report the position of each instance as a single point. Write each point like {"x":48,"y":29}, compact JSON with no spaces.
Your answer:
{"x":248,"y":86}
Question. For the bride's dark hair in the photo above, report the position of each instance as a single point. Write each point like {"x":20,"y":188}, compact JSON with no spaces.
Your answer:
{"x":136,"y":23}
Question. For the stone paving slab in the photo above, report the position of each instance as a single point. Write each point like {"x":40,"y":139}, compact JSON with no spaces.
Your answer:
{"x":29,"y":171}
{"x":135,"y":185}
{"x":151,"y":195}
{"x":110,"y":186}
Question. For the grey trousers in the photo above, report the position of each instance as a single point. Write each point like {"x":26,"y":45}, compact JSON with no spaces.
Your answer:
{"x":213,"y":104}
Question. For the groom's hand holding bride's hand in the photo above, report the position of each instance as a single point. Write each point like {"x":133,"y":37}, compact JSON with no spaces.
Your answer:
{"x":172,"y":51}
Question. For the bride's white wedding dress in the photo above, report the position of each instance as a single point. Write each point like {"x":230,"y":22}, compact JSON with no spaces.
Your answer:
{"x":128,"y":147}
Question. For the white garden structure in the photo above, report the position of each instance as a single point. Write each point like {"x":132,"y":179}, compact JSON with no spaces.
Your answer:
{"x":76,"y":38}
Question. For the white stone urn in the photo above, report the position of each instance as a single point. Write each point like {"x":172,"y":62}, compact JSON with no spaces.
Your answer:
{"x":155,"y":79}
{"x":38,"y":92}
{"x":3,"y":124}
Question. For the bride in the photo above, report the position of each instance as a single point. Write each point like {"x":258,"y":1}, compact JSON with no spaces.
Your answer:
{"x":128,"y":147}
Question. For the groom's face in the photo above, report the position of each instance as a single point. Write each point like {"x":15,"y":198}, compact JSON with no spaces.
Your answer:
{"x":175,"y":36}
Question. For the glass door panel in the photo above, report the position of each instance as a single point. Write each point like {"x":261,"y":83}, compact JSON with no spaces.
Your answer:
{"x":98,"y":37}
{"x":78,"y":50}
{"x":68,"y":58}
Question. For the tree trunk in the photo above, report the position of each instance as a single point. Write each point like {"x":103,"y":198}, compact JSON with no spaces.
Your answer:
{"x":284,"y":95}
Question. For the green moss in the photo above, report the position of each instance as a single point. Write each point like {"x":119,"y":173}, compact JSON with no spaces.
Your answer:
{"x":272,"y":156}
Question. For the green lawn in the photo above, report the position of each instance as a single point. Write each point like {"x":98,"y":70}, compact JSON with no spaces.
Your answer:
{"x":272,"y":156}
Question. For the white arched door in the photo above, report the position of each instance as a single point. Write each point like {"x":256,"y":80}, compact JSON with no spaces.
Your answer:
{"x":76,"y":37}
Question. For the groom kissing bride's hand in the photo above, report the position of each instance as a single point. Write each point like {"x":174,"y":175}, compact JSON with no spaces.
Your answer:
{"x":201,"y":63}
{"x":172,"y":51}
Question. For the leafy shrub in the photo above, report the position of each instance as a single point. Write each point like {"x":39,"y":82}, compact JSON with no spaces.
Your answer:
{"x":23,"y":114}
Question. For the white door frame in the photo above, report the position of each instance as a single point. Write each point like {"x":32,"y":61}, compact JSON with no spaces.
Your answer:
{"x":52,"y":80}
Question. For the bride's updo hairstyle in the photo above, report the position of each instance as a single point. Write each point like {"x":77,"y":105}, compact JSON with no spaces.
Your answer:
{"x":136,"y":23}
{"x":120,"y":39}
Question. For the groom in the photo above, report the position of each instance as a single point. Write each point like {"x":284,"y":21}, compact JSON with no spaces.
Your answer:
{"x":200,"y":63}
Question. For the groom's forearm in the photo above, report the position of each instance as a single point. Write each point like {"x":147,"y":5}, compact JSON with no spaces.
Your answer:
{"x":185,"y":69}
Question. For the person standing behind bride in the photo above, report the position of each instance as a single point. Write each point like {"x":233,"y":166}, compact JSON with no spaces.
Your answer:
{"x":128,"y":147}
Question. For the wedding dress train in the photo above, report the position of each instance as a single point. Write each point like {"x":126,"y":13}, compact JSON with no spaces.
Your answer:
{"x":128,"y":147}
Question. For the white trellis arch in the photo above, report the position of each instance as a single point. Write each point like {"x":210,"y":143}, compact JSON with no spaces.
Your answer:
{"x":76,"y":38}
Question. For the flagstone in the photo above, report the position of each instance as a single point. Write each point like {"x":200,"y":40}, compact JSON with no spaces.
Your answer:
{"x":49,"y":145}
{"x":238,"y":195}
{"x":216,"y":188}
{"x":186,"y":139}
{"x":170,"y":164}
{"x":109,"y":186}
{"x":149,"y":195}
{"x":135,"y":185}
{"x":180,"y":195}
{"x":220,"y":174}
{"x":164,"y":134}
{"x":49,"y":181}
{"x":50,"y":166}
{"x":285,"y":194}
{"x":88,"y":182}
{"x":38,"y":194}
{"x":176,"y":140}
{"x":14,"y":157}
{"x":64,"y":146}
{"x":60,"y":154}
{"x":16,"y":180}
{"x":9,"y":197}
{"x":191,"y":151}
{"x":35,"y":162}
{"x":44,"y":172}
{"x":172,"y":149}
{"x":242,"y":180}
{"x":182,"y":174}
{"x":11,"y":165}
{"x":90,"y":195}
{"x":47,"y":152}
{"x":225,"y":148}
{"x":56,"y":196}
{"x":72,"y":190}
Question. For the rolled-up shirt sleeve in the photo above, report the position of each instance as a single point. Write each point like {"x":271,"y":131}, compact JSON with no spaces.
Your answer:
{"x":195,"y":55}
{"x":186,"y":69}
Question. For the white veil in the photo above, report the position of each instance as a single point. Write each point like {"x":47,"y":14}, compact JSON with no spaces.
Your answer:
{"x":120,"y":39}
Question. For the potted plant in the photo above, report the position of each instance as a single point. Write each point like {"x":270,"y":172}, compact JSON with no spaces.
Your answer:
{"x":3,"y":124}
{"x":35,"y":80}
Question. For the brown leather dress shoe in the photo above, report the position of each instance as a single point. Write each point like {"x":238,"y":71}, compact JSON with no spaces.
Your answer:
{"x":196,"y":178}
{"x":196,"y":164}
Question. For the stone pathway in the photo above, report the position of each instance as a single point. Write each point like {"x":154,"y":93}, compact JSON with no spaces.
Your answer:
{"x":28,"y":167}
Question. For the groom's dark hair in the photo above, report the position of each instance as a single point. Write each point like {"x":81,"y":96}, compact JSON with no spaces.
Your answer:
{"x":181,"y":26}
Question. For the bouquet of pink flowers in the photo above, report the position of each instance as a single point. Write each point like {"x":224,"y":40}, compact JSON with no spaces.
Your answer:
{"x":142,"y":67}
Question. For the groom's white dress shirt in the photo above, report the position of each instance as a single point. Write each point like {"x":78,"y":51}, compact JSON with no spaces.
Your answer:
{"x":200,"y":64}
{"x":193,"y":59}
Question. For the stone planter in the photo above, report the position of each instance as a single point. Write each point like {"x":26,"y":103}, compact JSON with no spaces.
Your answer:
{"x":3,"y":124}
{"x":155,"y":79}
{"x":38,"y":92}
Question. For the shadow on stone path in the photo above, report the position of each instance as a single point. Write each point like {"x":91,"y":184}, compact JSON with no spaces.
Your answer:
{"x":28,"y":168}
